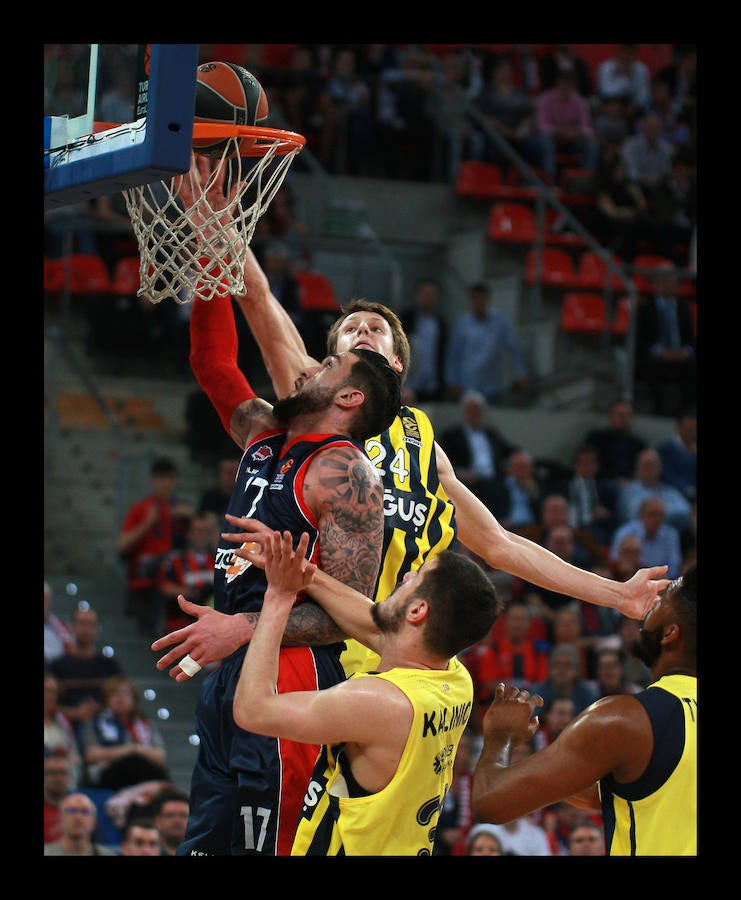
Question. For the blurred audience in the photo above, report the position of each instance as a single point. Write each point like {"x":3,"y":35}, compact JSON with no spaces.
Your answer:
{"x":484,"y":841}
{"x":678,"y":455}
{"x":58,"y":637}
{"x":563,"y":679}
{"x":647,"y":482}
{"x":617,"y":443}
{"x":660,"y":544}
{"x":141,"y":838}
{"x":59,"y":734}
{"x":58,"y":783}
{"x":427,"y":331}
{"x":78,"y":822}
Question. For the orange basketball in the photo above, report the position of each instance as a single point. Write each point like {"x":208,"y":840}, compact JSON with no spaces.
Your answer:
{"x":226,"y":92}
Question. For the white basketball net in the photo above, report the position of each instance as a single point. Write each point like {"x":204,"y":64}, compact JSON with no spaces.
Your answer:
{"x":199,"y":249}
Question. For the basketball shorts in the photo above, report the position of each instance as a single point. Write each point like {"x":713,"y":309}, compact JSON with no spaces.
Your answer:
{"x":247,"y":790}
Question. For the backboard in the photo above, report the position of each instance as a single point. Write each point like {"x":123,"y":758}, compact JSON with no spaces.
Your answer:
{"x":115,"y":116}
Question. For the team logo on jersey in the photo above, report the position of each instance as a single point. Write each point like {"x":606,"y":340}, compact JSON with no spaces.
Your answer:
{"x":411,"y":431}
{"x":286,"y":467}
{"x":237,"y":565}
{"x":262,"y":453}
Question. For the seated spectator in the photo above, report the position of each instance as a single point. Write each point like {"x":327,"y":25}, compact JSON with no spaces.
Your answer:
{"x":647,"y":482}
{"x":517,"y":657}
{"x":688,"y":539}
{"x":617,"y":443}
{"x":610,"y":674}
{"x":621,"y":216}
{"x":586,"y":839}
{"x":660,"y":544}
{"x":627,"y":560}
{"x":564,"y":57}
{"x":521,"y":837}
{"x":518,"y":495}
{"x":122,"y":747}
{"x":483,"y":841}
{"x":635,"y":671}
{"x":59,"y":733}
{"x":509,"y":109}
{"x":215,"y":499}
{"x":678,"y":455}
{"x":78,"y":822}
{"x":554,"y":718}
{"x":82,"y":671}
{"x":648,"y":156}
{"x":170,"y":809}
{"x":563,"y":679}
{"x":591,"y":498}
{"x":554,"y":513}
{"x":611,"y":124}
{"x":564,"y":124}
{"x":405,"y":117}
{"x":58,"y":637}
{"x":476,"y":450}
{"x":151,"y":528}
{"x":350,"y":142}
{"x":568,"y":628}
{"x":665,"y":359}
{"x":626,"y":76}
{"x":58,"y":782}
{"x":189,"y":571}
{"x":141,"y":838}
{"x":427,"y":331}
{"x":560,"y":541}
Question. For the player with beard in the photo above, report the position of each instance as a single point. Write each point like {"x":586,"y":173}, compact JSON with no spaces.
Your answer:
{"x":303,"y":469}
{"x":390,"y":737}
{"x":634,"y":757}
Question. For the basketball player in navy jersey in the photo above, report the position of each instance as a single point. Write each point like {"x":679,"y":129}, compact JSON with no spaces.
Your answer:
{"x":303,"y":468}
{"x":634,"y":757}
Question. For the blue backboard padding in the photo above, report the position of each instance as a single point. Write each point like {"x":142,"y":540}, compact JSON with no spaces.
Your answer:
{"x":165,"y":150}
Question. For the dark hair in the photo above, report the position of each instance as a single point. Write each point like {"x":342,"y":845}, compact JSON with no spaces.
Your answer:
{"x":163,"y":465}
{"x":464,"y":604}
{"x":382,"y":388}
{"x":138,"y":821}
{"x":401,"y":342}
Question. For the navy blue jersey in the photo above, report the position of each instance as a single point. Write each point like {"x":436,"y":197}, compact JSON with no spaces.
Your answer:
{"x":269,"y":487}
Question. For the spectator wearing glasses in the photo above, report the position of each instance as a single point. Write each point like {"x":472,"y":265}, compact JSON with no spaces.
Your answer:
{"x":78,"y":822}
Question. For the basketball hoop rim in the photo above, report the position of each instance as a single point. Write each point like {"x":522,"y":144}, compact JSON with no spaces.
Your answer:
{"x":283,"y":141}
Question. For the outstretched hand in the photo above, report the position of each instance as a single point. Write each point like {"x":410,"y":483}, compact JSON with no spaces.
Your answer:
{"x":643,"y":590}
{"x":288,"y":571}
{"x":211,"y":638}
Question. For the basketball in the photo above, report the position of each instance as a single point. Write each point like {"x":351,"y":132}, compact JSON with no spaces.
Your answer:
{"x":226,"y":92}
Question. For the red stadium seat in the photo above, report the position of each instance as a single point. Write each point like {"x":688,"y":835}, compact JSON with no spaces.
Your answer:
{"x":316,"y":292}
{"x":512,"y":223}
{"x":88,"y":274}
{"x":126,"y":276}
{"x":621,"y":320}
{"x":593,"y":273}
{"x":583,"y":314}
{"x":557,"y":268}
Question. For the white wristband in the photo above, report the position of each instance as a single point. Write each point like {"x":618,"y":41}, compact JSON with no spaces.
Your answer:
{"x":189,"y":666}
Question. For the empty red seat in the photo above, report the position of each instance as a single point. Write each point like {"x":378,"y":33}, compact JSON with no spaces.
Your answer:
{"x":88,"y":274}
{"x":557,"y":268}
{"x":316,"y":291}
{"x":593,"y":272}
{"x":583,"y":313}
{"x":478,"y":179}
{"x":126,"y":276}
{"x":621,"y":319}
{"x":512,"y":223}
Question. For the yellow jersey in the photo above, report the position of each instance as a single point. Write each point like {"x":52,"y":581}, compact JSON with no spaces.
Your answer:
{"x":656,"y":815}
{"x":419,"y":518}
{"x":339,"y":818}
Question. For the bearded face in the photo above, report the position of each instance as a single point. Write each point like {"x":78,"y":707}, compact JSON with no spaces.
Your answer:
{"x":647,"y":646}
{"x":388,"y":616}
{"x":314,"y":400}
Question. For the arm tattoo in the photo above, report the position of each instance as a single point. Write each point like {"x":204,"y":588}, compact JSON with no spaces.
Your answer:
{"x":348,"y":494}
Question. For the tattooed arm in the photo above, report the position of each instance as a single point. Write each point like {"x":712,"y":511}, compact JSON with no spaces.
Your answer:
{"x":345,"y":493}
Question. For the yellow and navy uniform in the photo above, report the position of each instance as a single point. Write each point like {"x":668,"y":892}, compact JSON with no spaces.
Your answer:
{"x":656,"y":815}
{"x":419,"y":519}
{"x":339,"y":818}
